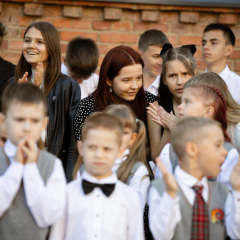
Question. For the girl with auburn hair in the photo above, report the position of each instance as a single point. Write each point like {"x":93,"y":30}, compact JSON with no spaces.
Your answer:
{"x":40,"y":63}
{"x":178,"y":66}
{"x":233,"y":108}
{"x":204,"y":100}
{"x":120,"y":82}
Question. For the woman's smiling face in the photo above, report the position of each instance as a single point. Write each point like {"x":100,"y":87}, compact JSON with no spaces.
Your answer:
{"x":128,"y":82}
{"x":34,"y":49}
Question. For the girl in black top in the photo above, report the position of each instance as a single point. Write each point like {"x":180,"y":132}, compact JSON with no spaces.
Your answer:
{"x":178,"y":66}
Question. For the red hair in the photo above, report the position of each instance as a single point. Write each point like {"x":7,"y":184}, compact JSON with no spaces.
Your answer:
{"x":218,"y":102}
{"x":113,"y":62}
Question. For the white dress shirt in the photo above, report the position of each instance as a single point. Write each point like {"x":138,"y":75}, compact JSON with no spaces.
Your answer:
{"x":165,"y":214}
{"x":233,"y":82}
{"x":223,"y":177}
{"x":140,"y":181}
{"x":45,"y":202}
{"x":153,"y":88}
{"x":88,"y":86}
{"x":96,"y":216}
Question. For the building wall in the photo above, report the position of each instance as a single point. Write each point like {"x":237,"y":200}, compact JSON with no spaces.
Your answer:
{"x":112,"y":24}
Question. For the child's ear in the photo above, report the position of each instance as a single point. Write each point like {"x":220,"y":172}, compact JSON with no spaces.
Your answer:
{"x":209,"y":112}
{"x":109,"y":82}
{"x":133,"y":139}
{"x":2,"y":118}
{"x":191,"y":149}
{"x":229,"y":50}
{"x":79,"y":147}
{"x":140,"y":52}
{"x":195,"y":72}
{"x":45,"y":122}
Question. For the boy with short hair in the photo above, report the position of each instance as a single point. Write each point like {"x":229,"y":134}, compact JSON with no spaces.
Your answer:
{"x":32,"y":182}
{"x":81,"y":62}
{"x":217,"y":45}
{"x":189,"y":206}
{"x":150,"y":45}
{"x":99,"y":206}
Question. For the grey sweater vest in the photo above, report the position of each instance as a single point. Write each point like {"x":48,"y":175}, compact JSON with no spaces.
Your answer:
{"x":17,"y":223}
{"x":217,"y":197}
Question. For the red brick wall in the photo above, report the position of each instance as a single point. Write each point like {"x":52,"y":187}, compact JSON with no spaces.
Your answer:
{"x":112,"y":24}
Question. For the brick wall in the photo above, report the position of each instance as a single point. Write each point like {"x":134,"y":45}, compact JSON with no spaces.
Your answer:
{"x":112,"y":24}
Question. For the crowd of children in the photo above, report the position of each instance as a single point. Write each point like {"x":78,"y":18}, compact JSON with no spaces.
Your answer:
{"x":149,"y":149}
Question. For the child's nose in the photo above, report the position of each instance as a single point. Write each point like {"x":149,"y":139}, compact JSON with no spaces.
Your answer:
{"x":26,"y":126}
{"x":134,"y":84}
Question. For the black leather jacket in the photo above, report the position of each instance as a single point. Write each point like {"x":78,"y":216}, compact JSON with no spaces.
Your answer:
{"x":63,"y":100}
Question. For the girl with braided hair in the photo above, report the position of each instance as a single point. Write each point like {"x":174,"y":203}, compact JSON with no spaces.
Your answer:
{"x":203,"y":100}
{"x":233,"y":108}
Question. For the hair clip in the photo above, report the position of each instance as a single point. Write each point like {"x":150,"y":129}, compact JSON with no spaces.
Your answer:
{"x":191,"y":47}
{"x":165,"y":48}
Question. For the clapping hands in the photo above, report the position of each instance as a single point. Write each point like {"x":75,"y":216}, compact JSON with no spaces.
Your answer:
{"x":38,"y":78}
{"x":161,"y":117}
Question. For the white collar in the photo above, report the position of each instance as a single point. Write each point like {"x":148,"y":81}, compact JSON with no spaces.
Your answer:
{"x":92,"y":179}
{"x":10,"y":149}
{"x":156,"y":82}
{"x":224,"y":74}
{"x":184,"y":178}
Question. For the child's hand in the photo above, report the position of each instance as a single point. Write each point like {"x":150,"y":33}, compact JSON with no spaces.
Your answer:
{"x":169,"y":180}
{"x":153,"y":111}
{"x":19,"y":157}
{"x":168,"y":119}
{"x":30,"y":150}
{"x":38,"y":78}
{"x":24,"y":78}
{"x":235,"y":177}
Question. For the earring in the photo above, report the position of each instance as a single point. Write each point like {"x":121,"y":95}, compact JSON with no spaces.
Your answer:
{"x":110,"y":90}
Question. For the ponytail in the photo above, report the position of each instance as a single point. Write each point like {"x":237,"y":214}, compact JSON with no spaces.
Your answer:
{"x":136,"y":154}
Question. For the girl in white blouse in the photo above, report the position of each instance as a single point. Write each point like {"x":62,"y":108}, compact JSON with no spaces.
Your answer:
{"x":132,"y":167}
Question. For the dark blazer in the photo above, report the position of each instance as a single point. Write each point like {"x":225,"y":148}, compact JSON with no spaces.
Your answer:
{"x":63,"y":100}
{"x":7,"y":71}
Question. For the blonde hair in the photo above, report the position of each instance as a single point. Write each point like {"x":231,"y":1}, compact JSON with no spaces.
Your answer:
{"x":95,"y":121}
{"x":189,"y":129}
{"x":137,"y":151}
{"x":213,"y":79}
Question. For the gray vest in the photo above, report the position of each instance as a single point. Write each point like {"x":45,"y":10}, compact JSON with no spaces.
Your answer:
{"x":134,"y":169}
{"x":17,"y":223}
{"x":174,"y":159}
{"x":217,"y":197}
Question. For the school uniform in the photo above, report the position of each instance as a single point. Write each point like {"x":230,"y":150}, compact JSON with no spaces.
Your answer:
{"x":138,"y":178}
{"x":223,"y":177}
{"x":233,"y":82}
{"x":153,"y":88}
{"x":171,"y":218}
{"x":92,"y":213}
{"x":32,"y":195}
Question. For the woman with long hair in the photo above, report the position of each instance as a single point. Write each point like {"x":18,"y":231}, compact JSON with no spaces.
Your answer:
{"x":40,"y":63}
{"x":120,"y":82}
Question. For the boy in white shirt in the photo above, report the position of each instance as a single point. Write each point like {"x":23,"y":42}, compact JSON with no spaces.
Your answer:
{"x":99,"y":206}
{"x":189,"y":206}
{"x":81,"y":62}
{"x":217,"y":45}
{"x":32,"y":182}
{"x":150,"y":45}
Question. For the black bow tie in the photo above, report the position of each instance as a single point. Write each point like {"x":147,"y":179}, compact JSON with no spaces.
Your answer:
{"x":106,"y":188}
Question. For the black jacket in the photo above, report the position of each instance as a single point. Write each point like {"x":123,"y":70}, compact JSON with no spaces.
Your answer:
{"x":63,"y":100}
{"x":7,"y":71}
